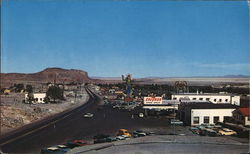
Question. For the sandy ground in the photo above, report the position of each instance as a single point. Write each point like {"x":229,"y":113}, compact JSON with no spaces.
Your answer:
{"x":15,"y":114}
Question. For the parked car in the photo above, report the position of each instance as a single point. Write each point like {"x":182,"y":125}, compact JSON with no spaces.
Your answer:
{"x":202,"y":131}
{"x":52,"y":150}
{"x":195,"y":130}
{"x":207,"y":125}
{"x":120,"y":137}
{"x":124,"y":132}
{"x":88,"y":115}
{"x":141,"y":115}
{"x":176,"y":122}
{"x":126,"y":137}
{"x":226,"y":131}
{"x":116,"y":106}
{"x":76,"y":143}
{"x":210,"y":132}
{"x":100,"y":138}
{"x":111,"y":139}
{"x":63,"y":147}
{"x":139,"y":133}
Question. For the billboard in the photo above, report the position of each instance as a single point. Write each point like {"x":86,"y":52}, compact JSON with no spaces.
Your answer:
{"x":152,"y":100}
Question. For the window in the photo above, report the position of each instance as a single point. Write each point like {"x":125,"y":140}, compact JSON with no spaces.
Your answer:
{"x":174,"y":98}
{"x":248,"y":118}
{"x":200,"y":99}
{"x":216,"y":119}
{"x":214,"y":100}
{"x":220,"y":100}
{"x":226,"y":100}
{"x":41,"y":99}
{"x":196,"y":120}
{"x":207,"y":99}
{"x":194,"y":98}
{"x":206,"y":120}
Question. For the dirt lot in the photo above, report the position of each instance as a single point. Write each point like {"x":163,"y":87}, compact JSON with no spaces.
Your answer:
{"x":15,"y":114}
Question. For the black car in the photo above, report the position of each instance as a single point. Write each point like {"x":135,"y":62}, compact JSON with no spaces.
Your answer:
{"x":139,"y":133}
{"x":100,"y":138}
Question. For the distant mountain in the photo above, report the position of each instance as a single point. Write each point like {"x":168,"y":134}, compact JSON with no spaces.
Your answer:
{"x":47,"y":75}
{"x":61,"y":75}
{"x":236,"y":76}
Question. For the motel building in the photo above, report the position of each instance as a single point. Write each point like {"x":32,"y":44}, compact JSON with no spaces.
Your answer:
{"x":39,"y":97}
{"x":197,"y":113}
{"x":216,"y":98}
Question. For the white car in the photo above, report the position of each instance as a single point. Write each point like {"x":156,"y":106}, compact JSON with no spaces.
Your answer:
{"x":88,"y":115}
{"x":141,"y":115}
{"x":120,"y":137}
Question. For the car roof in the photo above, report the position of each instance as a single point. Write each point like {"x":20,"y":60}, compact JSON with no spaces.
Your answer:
{"x":61,"y":146}
{"x":53,"y":148}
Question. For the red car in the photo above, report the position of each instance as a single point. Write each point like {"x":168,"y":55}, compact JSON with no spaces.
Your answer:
{"x":76,"y":143}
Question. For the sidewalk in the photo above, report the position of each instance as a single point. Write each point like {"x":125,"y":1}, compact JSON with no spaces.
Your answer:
{"x":161,"y":139}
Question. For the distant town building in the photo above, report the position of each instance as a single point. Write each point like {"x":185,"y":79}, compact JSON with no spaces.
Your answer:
{"x":38,"y":97}
{"x":242,"y":115}
{"x":205,"y":113}
{"x":216,"y":98}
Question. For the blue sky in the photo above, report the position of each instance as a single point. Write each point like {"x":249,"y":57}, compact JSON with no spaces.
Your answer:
{"x":110,"y":38}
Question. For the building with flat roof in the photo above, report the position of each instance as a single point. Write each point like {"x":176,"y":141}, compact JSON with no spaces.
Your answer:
{"x":38,"y":97}
{"x":217,"y":98}
{"x":205,"y":113}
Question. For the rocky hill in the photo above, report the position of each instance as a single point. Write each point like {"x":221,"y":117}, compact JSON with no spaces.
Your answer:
{"x":48,"y":75}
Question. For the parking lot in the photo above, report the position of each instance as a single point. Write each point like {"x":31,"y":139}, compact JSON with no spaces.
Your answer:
{"x":106,"y":120}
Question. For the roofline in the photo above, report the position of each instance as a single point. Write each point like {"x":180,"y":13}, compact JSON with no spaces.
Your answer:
{"x":205,"y":94}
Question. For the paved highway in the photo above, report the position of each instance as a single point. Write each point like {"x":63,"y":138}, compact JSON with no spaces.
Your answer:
{"x":67,"y":127}
{"x":74,"y":126}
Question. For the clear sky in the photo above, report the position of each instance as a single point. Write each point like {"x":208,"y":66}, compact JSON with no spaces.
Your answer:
{"x":110,"y":38}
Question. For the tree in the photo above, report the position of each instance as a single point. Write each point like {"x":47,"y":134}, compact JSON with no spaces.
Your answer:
{"x":19,"y":87}
{"x":29,"y":88}
{"x":54,"y":93}
{"x":30,"y":98}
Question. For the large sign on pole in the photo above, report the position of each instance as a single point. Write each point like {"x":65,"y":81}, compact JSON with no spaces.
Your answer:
{"x":152,"y":100}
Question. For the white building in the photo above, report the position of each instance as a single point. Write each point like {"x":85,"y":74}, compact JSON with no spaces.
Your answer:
{"x":38,"y":97}
{"x":205,"y":113}
{"x":216,"y":98}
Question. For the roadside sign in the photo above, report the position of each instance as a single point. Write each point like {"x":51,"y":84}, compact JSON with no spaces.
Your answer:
{"x":152,"y":100}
